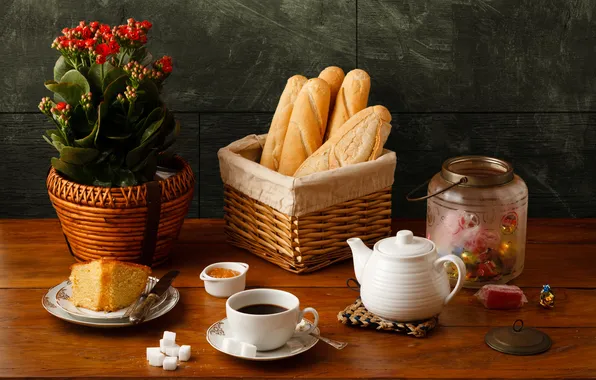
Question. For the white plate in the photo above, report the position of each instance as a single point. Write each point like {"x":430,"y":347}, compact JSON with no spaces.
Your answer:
{"x":296,"y":345}
{"x":173,"y":296}
{"x":65,"y":292}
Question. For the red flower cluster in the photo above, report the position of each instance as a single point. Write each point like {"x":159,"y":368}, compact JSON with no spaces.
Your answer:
{"x":164,"y":64}
{"x":94,"y":40}
{"x":61,"y":112}
{"x":62,"y":106}
{"x":133,"y":34}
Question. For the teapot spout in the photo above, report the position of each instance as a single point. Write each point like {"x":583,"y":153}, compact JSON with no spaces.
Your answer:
{"x":361,"y":253}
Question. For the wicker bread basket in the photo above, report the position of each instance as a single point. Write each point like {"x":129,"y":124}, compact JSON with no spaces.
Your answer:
{"x":302,"y":225}
{"x":112,"y":222}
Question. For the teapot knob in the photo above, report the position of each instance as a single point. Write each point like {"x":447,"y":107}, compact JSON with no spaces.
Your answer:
{"x":404,"y":237}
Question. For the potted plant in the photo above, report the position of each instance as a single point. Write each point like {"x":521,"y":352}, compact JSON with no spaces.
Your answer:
{"x":111,"y":132}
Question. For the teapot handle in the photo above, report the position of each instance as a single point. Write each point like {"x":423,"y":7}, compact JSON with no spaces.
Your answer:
{"x":461,"y":273}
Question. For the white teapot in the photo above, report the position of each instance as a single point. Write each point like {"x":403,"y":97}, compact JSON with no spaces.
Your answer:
{"x":403,"y":279}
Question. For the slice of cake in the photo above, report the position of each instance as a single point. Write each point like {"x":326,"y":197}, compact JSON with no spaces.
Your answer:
{"x":107,"y":285}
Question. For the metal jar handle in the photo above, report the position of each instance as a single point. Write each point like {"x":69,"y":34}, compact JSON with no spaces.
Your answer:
{"x":410,"y":199}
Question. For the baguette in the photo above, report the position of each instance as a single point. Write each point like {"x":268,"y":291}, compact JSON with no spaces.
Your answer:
{"x":360,"y":139}
{"x":351,"y":99}
{"x":334,"y":76}
{"x":307,"y":125}
{"x":279,"y":123}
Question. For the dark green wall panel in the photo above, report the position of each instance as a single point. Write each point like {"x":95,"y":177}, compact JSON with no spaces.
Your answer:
{"x":228,"y":55}
{"x":509,"y":78}
{"x":478,"y":55}
{"x":554,"y":153}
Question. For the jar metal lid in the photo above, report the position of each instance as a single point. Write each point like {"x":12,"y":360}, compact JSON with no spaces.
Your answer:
{"x":477,"y":171}
{"x":518,"y":340}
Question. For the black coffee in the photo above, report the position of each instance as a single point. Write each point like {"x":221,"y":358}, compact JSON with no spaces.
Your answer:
{"x":262,"y":309}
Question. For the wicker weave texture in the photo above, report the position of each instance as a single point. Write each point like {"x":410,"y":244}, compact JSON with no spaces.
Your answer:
{"x":357,"y":315}
{"x":110,"y":222}
{"x":310,"y":242}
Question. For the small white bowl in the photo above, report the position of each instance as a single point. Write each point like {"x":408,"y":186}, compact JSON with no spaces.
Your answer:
{"x":225,"y":287}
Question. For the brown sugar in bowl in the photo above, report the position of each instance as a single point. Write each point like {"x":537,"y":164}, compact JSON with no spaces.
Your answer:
{"x":222,"y":273}
{"x":218,"y":281}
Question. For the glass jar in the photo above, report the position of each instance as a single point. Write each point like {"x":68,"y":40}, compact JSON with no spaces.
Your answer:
{"x":477,"y":209}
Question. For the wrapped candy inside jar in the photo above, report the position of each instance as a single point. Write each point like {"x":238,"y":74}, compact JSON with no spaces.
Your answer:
{"x":477,"y":210}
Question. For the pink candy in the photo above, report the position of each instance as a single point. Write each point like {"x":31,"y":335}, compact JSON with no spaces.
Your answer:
{"x":501,"y":297}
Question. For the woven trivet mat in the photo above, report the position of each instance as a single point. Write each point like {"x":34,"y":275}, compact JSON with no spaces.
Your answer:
{"x":357,"y":315}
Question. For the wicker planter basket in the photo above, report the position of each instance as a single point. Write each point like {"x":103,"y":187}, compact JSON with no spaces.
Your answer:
{"x":302,"y":224}
{"x":113,"y":222}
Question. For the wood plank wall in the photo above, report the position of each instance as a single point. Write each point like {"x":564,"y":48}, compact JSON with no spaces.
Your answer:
{"x":510,"y":78}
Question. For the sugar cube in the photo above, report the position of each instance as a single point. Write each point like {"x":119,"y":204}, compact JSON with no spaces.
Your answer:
{"x":184,"y":353}
{"x":172,"y":351}
{"x":231,"y":346}
{"x":164,"y":343}
{"x":170,"y":364}
{"x":169,"y":336}
{"x":152,"y":349}
{"x":248,"y":350}
{"x":156,"y":359}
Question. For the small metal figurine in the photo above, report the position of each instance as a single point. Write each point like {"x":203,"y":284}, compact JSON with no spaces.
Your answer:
{"x":547,"y":298}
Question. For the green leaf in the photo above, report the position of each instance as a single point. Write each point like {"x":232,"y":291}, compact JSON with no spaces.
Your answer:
{"x":55,"y":135}
{"x":57,"y":138}
{"x":149,"y":94}
{"x":97,"y":182}
{"x":171,"y":139}
{"x":103,"y":156}
{"x":102,"y":112}
{"x":149,"y":167}
{"x":153,"y":116}
{"x":78,"y":122}
{"x":119,"y":137}
{"x":152,"y":129}
{"x":68,"y":92}
{"x":47,"y":140}
{"x":75,"y":173}
{"x":84,"y":70}
{"x":177,"y":129}
{"x":111,"y":76}
{"x":78,"y":156}
{"x":116,"y":87}
{"x":58,"y":145}
{"x":88,"y":141}
{"x":135,"y":156}
{"x":73,"y":76}
{"x":94,"y":75}
{"x":102,"y":80}
{"x":125,"y":177}
{"x":169,"y":123}
{"x":60,"y":68}
{"x":138,"y":154}
{"x":142,"y":56}
{"x":141,"y":164}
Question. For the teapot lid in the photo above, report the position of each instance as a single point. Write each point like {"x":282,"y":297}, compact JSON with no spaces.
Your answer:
{"x":405,"y":244}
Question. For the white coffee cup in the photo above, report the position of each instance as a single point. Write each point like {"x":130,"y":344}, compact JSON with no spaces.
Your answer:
{"x":267,"y":331}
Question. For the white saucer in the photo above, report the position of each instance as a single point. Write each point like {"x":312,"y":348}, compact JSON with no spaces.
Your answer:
{"x":64,"y":293}
{"x":48,"y":301}
{"x":296,"y":345}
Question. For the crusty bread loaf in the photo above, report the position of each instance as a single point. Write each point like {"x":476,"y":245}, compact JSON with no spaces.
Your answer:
{"x":280,"y":121}
{"x":351,"y":99}
{"x":307,"y":125}
{"x":334,"y":76}
{"x":360,"y":139}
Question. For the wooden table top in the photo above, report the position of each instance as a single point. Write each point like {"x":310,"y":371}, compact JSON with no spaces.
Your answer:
{"x":34,"y":344}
